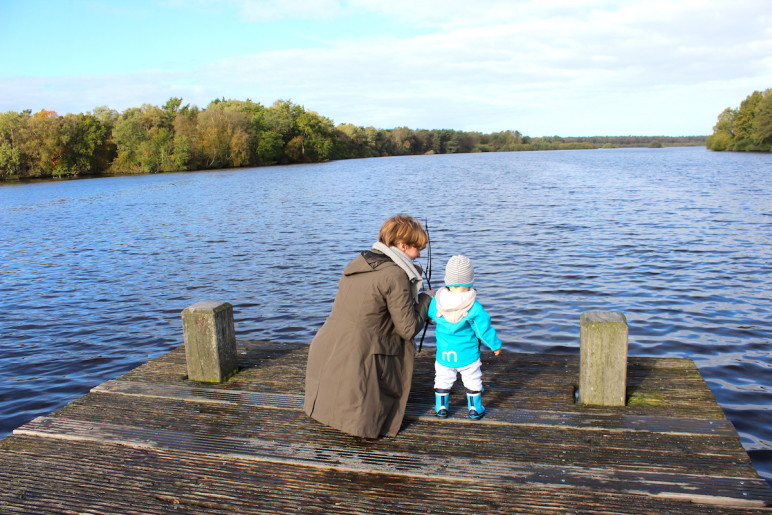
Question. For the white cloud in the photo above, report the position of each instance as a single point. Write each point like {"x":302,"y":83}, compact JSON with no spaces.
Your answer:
{"x":568,"y":68}
{"x":496,"y":79}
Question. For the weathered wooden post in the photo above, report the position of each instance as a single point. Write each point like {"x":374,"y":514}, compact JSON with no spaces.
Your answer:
{"x":603,"y":358}
{"x":210,"y":341}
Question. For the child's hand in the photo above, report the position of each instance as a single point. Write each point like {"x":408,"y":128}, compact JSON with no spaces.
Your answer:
{"x":497,"y":352}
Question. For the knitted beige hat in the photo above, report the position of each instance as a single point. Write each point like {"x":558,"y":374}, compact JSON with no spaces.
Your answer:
{"x":459,"y":272}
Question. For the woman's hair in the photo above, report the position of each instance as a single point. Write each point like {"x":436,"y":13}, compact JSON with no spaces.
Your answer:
{"x":403,"y":229}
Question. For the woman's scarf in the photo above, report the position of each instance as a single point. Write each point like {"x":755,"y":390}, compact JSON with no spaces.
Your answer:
{"x":405,"y":263}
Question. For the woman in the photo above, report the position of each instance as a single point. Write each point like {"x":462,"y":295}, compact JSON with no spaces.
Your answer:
{"x":360,"y":363}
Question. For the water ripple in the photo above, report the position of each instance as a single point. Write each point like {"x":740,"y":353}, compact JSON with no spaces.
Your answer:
{"x":94,"y":273}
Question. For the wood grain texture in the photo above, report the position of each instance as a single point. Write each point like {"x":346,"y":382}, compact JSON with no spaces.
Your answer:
{"x":154,"y":442}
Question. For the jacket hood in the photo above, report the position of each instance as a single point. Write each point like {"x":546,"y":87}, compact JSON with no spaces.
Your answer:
{"x":366,"y":261}
{"x":454,"y":306}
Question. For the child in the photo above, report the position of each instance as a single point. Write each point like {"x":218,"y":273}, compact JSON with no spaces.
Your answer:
{"x":462,"y":323}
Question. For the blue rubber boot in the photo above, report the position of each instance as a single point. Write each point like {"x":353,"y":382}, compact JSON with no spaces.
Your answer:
{"x":441,"y":402}
{"x":474,"y":403}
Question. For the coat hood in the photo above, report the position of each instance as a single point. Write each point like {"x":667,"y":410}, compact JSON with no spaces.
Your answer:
{"x":365,"y":262}
{"x":454,"y":306}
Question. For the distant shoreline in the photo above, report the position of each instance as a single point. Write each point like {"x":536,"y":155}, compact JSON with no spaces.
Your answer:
{"x":31,"y":180}
{"x":235,"y":134}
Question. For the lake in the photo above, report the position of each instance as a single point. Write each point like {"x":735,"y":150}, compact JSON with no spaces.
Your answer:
{"x":95,"y":272}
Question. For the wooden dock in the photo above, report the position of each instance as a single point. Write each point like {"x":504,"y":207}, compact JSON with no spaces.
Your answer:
{"x":154,"y":442}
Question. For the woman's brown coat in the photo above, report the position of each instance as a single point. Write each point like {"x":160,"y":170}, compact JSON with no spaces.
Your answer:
{"x":360,"y":363}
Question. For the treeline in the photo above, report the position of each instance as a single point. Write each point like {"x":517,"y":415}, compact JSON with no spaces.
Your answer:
{"x":233,"y":133}
{"x":642,"y":141}
{"x":748,"y":128}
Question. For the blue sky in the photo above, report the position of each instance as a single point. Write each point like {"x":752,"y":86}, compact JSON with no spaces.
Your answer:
{"x":543,"y":67}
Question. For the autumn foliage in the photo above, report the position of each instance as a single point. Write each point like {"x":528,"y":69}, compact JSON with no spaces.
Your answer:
{"x":233,"y":133}
{"x":747,"y":128}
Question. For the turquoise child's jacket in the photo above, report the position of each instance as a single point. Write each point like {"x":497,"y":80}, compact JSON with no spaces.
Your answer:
{"x":457,"y":343}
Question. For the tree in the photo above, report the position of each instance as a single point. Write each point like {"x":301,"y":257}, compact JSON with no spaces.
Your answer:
{"x":84,"y":142}
{"x":12,"y":131}
{"x":172,"y":106}
{"x":402,"y":141}
{"x":222,"y":138}
{"x":723,"y":132}
{"x":356,"y":142}
{"x":506,"y":141}
{"x":43,"y":144}
{"x":424,"y":142}
{"x":762,"y":123}
{"x":280,"y":118}
{"x":315,"y":133}
{"x":106,"y":116}
{"x":461,"y":142}
{"x":270,"y":148}
{"x":747,"y":128}
{"x":157,"y":151}
{"x":185,"y":155}
{"x":743,"y":122}
{"x":129,"y":134}
{"x":145,"y":139}
{"x":441,"y":139}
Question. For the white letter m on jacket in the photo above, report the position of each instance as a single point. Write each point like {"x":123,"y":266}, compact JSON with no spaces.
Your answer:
{"x":450,"y":356}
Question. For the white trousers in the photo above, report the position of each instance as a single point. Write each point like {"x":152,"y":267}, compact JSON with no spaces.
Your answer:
{"x":471,"y":375}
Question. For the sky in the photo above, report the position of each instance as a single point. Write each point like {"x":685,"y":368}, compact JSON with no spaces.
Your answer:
{"x":543,"y":67}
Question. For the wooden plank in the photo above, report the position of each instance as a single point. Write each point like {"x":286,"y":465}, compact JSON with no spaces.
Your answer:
{"x":590,"y":421}
{"x":189,"y":483}
{"x":193,"y":394}
{"x":749,"y":492}
{"x":656,"y":386}
{"x":554,"y":445}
